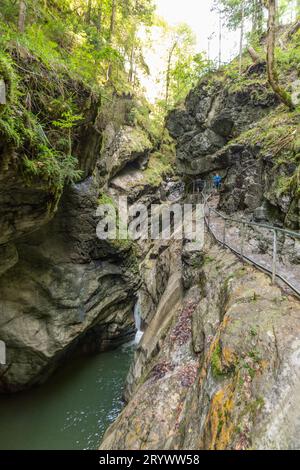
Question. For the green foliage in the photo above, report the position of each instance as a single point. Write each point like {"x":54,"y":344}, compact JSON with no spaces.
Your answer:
{"x":288,"y":58}
{"x":67,"y":121}
{"x":184,"y":67}
{"x":147,"y":117}
{"x":161,"y":164}
{"x":216,"y":362}
{"x":278,"y":135}
{"x":52,"y":166}
{"x":8,"y":129}
{"x":106,"y":199}
{"x":290,"y":184}
{"x":41,"y":153}
{"x":64,"y":33}
{"x":185,"y":74}
{"x":231,"y":10}
{"x":256,"y":84}
{"x":55,"y":68}
{"x":7,"y":73}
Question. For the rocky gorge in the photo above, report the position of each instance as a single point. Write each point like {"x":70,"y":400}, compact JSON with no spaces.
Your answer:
{"x":62,"y":289}
{"x":217,"y":366}
{"x":221,"y":368}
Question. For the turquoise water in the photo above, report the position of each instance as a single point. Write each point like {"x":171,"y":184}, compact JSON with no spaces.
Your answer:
{"x":72,"y":410}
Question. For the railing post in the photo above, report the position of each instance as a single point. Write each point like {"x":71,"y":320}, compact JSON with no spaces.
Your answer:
{"x":224,"y":232}
{"x":274,"y":256}
{"x":243,"y":239}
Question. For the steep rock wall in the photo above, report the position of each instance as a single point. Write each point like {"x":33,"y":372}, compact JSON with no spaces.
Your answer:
{"x":236,"y":127}
{"x":224,"y":372}
{"x":62,"y":290}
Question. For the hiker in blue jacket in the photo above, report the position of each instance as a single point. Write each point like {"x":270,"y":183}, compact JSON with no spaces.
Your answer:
{"x":217,"y":180}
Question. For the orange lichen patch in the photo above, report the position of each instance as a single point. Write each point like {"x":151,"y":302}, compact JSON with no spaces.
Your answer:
{"x":264,"y":364}
{"x":219,"y":426}
{"x":224,"y":323}
{"x":228,"y":358}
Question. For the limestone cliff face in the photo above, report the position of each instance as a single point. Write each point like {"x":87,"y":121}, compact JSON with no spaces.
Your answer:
{"x":237,"y":127}
{"x":62,"y":290}
{"x":66,"y":289}
{"x":218,"y":366}
{"x":214,"y":112}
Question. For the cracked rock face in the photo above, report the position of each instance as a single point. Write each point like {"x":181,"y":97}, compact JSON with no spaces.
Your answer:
{"x":22,"y":209}
{"x":65,"y":287}
{"x":222,"y":369}
{"x":123,"y":146}
{"x":211,"y":135}
{"x":213,"y":114}
{"x":62,"y":290}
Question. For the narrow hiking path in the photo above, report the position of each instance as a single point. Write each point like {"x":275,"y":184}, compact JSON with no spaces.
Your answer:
{"x":257,"y":244}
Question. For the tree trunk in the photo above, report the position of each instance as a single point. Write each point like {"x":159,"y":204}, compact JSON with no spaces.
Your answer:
{"x":112,"y":31}
{"x":168,"y":74}
{"x":253,"y":54}
{"x":168,"y":82}
{"x":220,"y":39}
{"x":271,"y":65}
{"x":242,"y":37}
{"x":277,"y":17}
{"x":100,"y":13}
{"x":22,"y":16}
{"x":294,"y":29}
{"x":88,"y":12}
{"x":131,"y":69}
{"x":258,"y":17}
{"x":112,"y":20}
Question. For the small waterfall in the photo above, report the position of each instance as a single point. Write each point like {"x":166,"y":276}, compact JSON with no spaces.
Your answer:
{"x":138,"y":322}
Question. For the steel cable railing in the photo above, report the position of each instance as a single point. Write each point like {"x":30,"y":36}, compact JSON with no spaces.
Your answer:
{"x":273,"y":269}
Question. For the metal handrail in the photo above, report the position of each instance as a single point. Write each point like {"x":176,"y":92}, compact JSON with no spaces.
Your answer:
{"x":273,"y":272}
{"x":290,"y":233}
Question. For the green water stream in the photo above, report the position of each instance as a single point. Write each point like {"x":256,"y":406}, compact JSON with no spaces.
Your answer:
{"x":72,"y":410}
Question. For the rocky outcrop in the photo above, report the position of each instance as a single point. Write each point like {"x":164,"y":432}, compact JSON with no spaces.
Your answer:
{"x":123,"y":146}
{"x":160,"y":296}
{"x":62,"y":290}
{"x":235,"y":127}
{"x":215,"y":112}
{"x":221,"y":372}
{"x":23,"y":209}
{"x":66,"y":285}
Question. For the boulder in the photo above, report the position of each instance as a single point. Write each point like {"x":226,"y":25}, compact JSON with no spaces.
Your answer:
{"x":127,"y":145}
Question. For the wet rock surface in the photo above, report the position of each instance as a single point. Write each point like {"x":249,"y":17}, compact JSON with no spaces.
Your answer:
{"x":62,"y":290}
{"x":224,"y":371}
{"x":67,"y":284}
